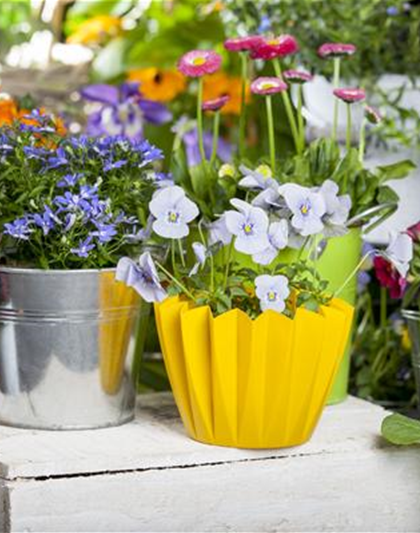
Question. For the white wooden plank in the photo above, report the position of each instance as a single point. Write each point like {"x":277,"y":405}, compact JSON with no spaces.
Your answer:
{"x":370,"y":491}
{"x":157,"y":439}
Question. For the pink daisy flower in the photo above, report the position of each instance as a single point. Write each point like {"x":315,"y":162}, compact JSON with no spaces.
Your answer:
{"x":198,"y":63}
{"x":215,"y":104}
{"x":328,"y":50}
{"x":242,"y":44}
{"x":372,"y":115}
{"x":268,"y":85}
{"x":350,"y":96}
{"x":273,"y":47}
{"x":297,"y":76}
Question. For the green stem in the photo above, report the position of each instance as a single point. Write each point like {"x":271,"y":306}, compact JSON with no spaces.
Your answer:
{"x":353,"y":273}
{"x":288,"y":107}
{"x":229,"y":258}
{"x":174,"y":266}
{"x":242,"y":117}
{"x":271,"y":141}
{"x":300,"y":118}
{"x":362,"y":141}
{"x":181,"y":252}
{"x":178,"y":283}
{"x":200,"y":119}
{"x":384,"y":302}
{"x":336,"y":83}
{"x":348,"y":132}
{"x":216,"y":128}
{"x":211,"y":259}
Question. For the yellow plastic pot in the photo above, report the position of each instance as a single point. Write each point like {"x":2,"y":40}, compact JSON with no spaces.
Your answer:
{"x":251,"y":383}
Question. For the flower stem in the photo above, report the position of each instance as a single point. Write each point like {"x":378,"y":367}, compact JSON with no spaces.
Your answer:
{"x":181,"y":252}
{"x":242,"y":117}
{"x":178,"y":283}
{"x":336,"y":83}
{"x":200,"y":119}
{"x":348,"y":133}
{"x":271,"y":141}
{"x":229,"y":257}
{"x":211,"y":259}
{"x":288,"y":107}
{"x":174,"y":267}
{"x":349,"y":278}
{"x":216,"y":128}
{"x":300,"y":118}
{"x":362,"y":141}
{"x":383,"y":315}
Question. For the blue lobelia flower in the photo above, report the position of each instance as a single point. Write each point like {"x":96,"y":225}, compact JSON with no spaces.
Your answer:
{"x":71,"y":202}
{"x":47,"y":220}
{"x":84,"y":248}
{"x":124,"y":110}
{"x":173,"y":211}
{"x":32,"y":152}
{"x":278,"y":236}
{"x":249,"y":226}
{"x":272,"y":291}
{"x":142,"y":276}
{"x":307,"y":207}
{"x":148,"y":152}
{"x":19,"y":228}
{"x":57,"y":160}
{"x":162,"y":179}
{"x":104,"y":232}
{"x":201,"y":253}
{"x":399,"y":251}
{"x":337,"y":208}
{"x":111,"y":165}
{"x":69,"y":180}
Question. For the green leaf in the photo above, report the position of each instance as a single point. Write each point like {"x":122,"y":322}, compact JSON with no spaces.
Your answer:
{"x":396,"y":171}
{"x":401,"y":430}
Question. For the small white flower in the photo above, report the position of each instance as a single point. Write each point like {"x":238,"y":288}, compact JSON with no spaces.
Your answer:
{"x":337,"y":208}
{"x":272,"y":291}
{"x":261,"y":178}
{"x":218,"y":232}
{"x":307,"y":208}
{"x":172,"y":211}
{"x":201,"y":253}
{"x":400,"y":251}
{"x":278,"y":236}
{"x":142,"y":276}
{"x":249,"y":226}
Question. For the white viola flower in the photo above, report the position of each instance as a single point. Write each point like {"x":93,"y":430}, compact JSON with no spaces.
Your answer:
{"x":268,"y":199}
{"x":142,"y":276}
{"x":201,"y":253}
{"x":218,"y":232}
{"x":172,"y":211}
{"x":307,"y":207}
{"x":261,"y":178}
{"x":272,"y":291}
{"x":249,"y":226}
{"x":278,"y":236}
{"x":337,"y":208}
{"x":400,"y":251}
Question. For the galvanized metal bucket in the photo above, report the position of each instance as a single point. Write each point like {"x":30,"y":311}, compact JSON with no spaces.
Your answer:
{"x":66,"y":348}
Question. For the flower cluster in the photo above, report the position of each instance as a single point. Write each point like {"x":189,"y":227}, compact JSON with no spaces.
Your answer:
{"x":73,"y":202}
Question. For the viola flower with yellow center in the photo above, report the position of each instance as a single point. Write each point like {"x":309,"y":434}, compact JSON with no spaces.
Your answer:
{"x":96,"y":30}
{"x":198,"y":63}
{"x":158,"y":84}
{"x":220,"y":84}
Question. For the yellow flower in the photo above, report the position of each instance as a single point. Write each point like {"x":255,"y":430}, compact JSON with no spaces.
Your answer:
{"x":405,"y":339}
{"x":8,"y":111}
{"x":219,"y":84}
{"x":96,"y":30}
{"x":158,"y":84}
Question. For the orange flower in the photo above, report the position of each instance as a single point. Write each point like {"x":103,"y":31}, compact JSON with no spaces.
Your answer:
{"x":157,"y":84}
{"x":96,"y":30}
{"x":220,"y":84}
{"x":8,"y":111}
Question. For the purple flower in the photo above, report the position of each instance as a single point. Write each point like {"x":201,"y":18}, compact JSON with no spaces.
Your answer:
{"x":72,"y":202}
{"x":142,"y":276}
{"x":69,"y":180}
{"x":111,"y":165}
{"x":84,"y":248}
{"x":19,"y":229}
{"x":249,"y":226}
{"x":307,"y":208}
{"x":190,"y":139}
{"x":201,"y":253}
{"x":162,"y":179}
{"x":278,"y":234}
{"x":272,"y":292}
{"x":32,"y":152}
{"x":58,"y":160}
{"x":337,"y":208}
{"x":399,"y":252}
{"x":218,"y":232}
{"x":172,"y":211}
{"x":104,"y":232}
{"x":46,"y":221}
{"x":124,"y":111}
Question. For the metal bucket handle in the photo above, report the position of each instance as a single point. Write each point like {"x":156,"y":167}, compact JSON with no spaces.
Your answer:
{"x":387,"y":208}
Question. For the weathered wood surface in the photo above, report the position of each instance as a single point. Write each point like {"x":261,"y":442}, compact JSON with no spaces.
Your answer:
{"x":148,"y":476}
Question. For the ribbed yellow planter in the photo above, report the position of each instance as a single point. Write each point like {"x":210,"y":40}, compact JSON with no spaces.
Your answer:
{"x":251,"y":383}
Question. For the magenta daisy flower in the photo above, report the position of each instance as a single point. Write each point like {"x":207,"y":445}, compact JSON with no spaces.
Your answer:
{"x":372,"y":115}
{"x":198,"y":63}
{"x":268,"y":85}
{"x":297,"y":76}
{"x":215,"y":104}
{"x":243,"y":44}
{"x":273,"y":47}
{"x":328,"y":50}
{"x":350,"y":96}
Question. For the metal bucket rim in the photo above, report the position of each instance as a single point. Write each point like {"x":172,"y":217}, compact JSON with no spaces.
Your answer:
{"x":62,"y":272}
{"x":411,"y":314}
